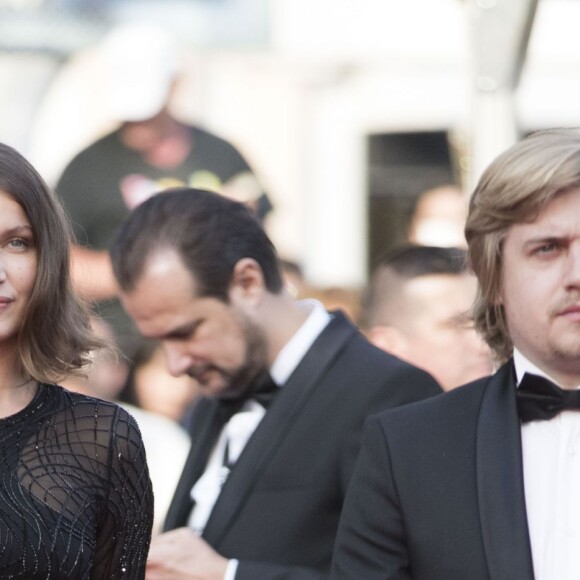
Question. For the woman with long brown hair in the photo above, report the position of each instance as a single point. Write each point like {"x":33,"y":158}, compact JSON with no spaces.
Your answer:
{"x":76,"y":496}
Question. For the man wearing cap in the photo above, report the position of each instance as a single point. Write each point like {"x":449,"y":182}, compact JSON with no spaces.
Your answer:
{"x":148,"y":152}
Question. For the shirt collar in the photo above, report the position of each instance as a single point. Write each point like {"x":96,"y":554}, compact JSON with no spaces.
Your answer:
{"x":295,"y":349}
{"x":523,"y":365}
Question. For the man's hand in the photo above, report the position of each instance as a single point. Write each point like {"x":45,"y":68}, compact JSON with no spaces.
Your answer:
{"x":182,"y":555}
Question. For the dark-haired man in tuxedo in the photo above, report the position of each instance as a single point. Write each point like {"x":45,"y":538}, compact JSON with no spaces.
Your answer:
{"x":482,"y":483}
{"x":287,"y":388}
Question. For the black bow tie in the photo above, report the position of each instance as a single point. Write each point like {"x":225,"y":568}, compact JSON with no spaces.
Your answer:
{"x":263,"y":390}
{"x":539,"y":399}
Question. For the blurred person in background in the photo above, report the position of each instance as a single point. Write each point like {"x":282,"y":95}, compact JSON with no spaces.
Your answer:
{"x":151,"y":387}
{"x":438,"y":218}
{"x":166,"y":443}
{"x":149,"y":151}
{"x":418,"y":307}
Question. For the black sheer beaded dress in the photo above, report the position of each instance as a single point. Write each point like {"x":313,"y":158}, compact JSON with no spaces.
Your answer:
{"x":75,"y":494}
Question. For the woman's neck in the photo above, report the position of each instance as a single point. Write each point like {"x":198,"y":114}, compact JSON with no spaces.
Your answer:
{"x":17,"y":389}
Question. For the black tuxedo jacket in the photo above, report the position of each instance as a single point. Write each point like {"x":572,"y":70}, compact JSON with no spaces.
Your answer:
{"x":438,"y":491}
{"x":279,"y":509}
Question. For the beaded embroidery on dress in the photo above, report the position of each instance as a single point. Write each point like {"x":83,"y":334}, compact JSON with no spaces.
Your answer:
{"x":75,"y":494}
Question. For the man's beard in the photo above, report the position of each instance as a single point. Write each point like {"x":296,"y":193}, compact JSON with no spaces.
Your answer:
{"x":240,"y":380}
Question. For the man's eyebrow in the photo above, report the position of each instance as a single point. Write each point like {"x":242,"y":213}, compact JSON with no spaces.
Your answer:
{"x":183,"y":330}
{"x":547,"y":239}
{"x":462,"y":319}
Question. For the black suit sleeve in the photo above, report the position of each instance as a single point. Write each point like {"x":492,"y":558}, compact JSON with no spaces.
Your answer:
{"x":371,"y":542}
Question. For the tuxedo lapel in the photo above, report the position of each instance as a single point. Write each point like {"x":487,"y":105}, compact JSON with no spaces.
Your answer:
{"x":205,"y":432}
{"x":276,"y":423}
{"x":500,"y":483}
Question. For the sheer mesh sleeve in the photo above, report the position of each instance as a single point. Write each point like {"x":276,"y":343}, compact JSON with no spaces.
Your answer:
{"x":125,"y":529}
{"x":76,"y":495}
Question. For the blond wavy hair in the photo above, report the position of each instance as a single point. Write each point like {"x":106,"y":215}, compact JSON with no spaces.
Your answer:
{"x":514,"y":189}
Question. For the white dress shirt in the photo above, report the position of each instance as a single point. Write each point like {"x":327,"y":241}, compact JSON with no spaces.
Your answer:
{"x":551,"y":464}
{"x":242,"y":425}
